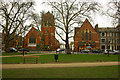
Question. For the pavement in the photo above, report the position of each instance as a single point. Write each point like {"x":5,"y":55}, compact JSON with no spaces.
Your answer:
{"x":58,"y":65}
{"x":27,"y":55}
{"x":41,"y":54}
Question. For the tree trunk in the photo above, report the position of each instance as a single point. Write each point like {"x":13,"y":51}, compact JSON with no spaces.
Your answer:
{"x":7,"y":46}
{"x":67,"y":43}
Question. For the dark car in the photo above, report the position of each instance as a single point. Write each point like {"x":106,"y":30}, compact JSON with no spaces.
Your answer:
{"x":96,"y":51}
{"x":23,"y":49}
{"x":12,"y":49}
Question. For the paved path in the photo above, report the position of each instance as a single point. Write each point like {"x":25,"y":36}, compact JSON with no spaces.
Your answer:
{"x":27,"y":55}
{"x":38,"y":54}
{"x":52,"y":65}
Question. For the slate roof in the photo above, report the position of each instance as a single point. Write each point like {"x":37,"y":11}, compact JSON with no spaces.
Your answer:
{"x":108,"y":29}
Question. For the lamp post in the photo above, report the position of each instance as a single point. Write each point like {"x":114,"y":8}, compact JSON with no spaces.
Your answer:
{"x":107,"y":42}
{"x":23,"y":40}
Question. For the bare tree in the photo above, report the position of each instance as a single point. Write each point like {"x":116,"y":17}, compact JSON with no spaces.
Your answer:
{"x":36,"y":19}
{"x":67,"y":13}
{"x":13,"y":17}
{"x":114,"y":11}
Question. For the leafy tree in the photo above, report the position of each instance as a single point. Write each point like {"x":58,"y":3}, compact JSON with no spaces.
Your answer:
{"x":13,"y":17}
{"x":67,"y":13}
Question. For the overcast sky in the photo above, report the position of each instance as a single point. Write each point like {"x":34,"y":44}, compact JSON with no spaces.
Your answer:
{"x":101,"y":20}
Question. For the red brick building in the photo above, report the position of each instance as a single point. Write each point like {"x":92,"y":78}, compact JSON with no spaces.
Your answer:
{"x":44,"y":38}
{"x":86,"y":36}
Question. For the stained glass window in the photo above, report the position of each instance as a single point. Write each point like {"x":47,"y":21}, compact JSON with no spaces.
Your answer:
{"x":32,"y":38}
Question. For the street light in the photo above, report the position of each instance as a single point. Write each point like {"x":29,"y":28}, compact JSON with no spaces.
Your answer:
{"x":107,"y":42}
{"x":23,"y":40}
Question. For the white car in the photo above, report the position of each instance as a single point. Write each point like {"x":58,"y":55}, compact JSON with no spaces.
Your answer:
{"x":85,"y":51}
{"x":110,"y":52}
{"x":116,"y":51}
{"x":60,"y":50}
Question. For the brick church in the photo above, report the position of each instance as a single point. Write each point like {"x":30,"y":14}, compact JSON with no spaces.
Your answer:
{"x":86,"y":36}
{"x":44,"y":39}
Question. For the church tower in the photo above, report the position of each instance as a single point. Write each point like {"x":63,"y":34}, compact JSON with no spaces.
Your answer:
{"x":48,"y":29}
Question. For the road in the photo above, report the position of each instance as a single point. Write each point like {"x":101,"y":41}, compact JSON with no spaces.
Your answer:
{"x":58,"y":65}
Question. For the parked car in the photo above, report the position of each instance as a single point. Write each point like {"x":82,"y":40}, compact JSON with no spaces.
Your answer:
{"x":96,"y":51}
{"x":23,"y":49}
{"x":12,"y":49}
{"x":110,"y":51}
{"x":60,"y":50}
{"x":85,"y":51}
{"x":117,"y":51}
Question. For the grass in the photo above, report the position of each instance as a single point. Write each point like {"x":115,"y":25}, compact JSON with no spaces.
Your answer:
{"x":8,"y":54}
{"x":64,"y":58}
{"x":75,"y":72}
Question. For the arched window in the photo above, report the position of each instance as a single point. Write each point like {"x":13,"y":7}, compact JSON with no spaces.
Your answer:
{"x":86,"y":34}
{"x":32,"y":38}
{"x":47,"y":32}
{"x":82,"y":35}
{"x":90,"y":35}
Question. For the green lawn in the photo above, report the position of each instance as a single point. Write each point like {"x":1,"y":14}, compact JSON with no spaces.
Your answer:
{"x":13,"y":53}
{"x":65,"y":58}
{"x":76,"y":72}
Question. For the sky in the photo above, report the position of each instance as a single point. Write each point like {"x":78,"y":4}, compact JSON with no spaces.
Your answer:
{"x":101,"y":20}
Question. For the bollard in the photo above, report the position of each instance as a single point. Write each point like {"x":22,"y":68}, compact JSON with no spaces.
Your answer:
{"x":56,"y":57}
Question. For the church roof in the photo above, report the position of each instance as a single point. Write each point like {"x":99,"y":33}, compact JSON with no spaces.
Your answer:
{"x":87,"y":23}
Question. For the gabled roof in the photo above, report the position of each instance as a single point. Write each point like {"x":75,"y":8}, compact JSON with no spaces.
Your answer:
{"x":87,"y":21}
{"x":84,"y":23}
{"x":38,"y":31}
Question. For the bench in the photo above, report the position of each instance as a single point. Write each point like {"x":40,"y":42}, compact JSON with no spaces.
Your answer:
{"x":30,"y":57}
{"x":25,"y":52}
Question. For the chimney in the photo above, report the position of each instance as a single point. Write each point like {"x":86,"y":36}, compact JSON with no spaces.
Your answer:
{"x":96,"y":27}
